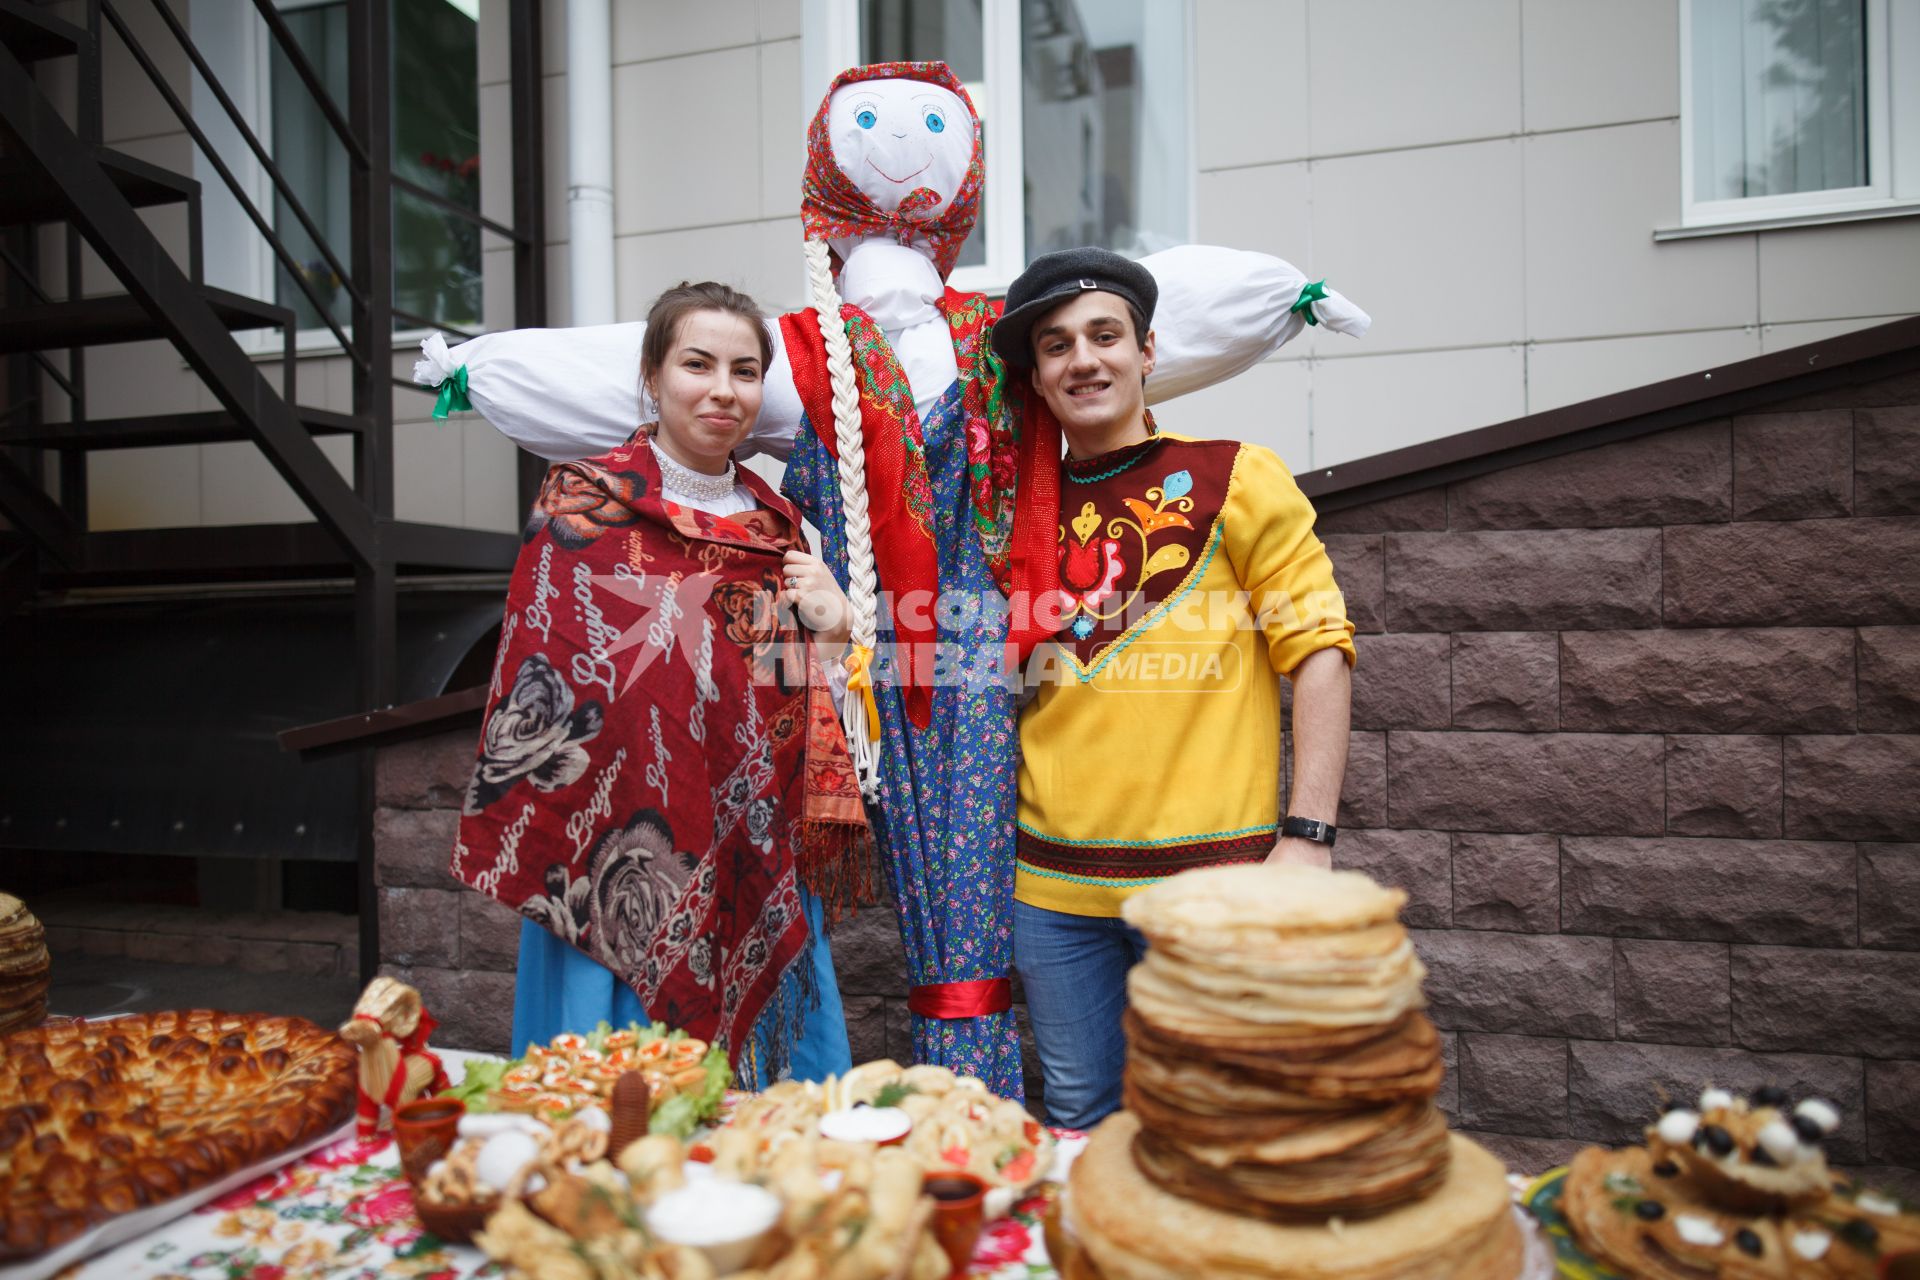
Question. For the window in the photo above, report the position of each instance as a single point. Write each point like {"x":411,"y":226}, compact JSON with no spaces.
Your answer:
{"x":1084,"y":106}
{"x":1789,"y":109}
{"x":436,"y":145}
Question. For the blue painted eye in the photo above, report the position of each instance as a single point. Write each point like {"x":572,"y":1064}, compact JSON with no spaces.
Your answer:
{"x":935,"y":123}
{"x":866,"y":119}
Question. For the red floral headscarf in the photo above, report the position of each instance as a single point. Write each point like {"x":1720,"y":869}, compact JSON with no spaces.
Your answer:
{"x":832,"y":206}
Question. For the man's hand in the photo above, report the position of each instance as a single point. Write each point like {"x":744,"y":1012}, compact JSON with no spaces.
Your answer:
{"x":1292,"y":851}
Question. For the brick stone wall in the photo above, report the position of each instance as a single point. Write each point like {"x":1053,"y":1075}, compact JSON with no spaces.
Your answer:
{"x":1638,"y":730}
{"x":457,"y":946}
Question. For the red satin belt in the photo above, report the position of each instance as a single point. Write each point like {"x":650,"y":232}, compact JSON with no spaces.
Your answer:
{"x":974,"y":999}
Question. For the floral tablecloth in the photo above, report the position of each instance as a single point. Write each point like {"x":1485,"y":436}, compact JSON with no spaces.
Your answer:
{"x":345,"y":1212}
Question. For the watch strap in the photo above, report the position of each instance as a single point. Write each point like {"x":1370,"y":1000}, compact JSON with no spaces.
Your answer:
{"x":1309,"y":829}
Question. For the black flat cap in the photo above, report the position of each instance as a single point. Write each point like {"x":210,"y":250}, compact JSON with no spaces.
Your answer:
{"x":1055,"y":278}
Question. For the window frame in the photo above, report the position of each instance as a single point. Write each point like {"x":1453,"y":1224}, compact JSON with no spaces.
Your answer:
{"x":1881,"y":191}
{"x":833,"y":30}
{"x":251,"y":261}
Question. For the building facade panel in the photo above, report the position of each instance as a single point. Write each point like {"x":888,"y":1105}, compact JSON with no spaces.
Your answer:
{"x":1561,"y":373}
{"x":1238,"y":45}
{"x":1587,"y":64}
{"x":1366,"y":404}
{"x":1404,"y":73}
{"x":1429,"y":240}
{"x":1594,"y":197}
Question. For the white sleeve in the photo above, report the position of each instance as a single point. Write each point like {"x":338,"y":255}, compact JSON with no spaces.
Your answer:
{"x":1222,"y":311}
{"x":573,"y":393}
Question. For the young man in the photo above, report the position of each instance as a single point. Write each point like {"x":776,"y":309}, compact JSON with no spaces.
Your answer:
{"x":1190,"y":579}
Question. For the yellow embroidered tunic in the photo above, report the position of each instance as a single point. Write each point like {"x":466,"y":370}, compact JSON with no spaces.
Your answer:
{"x":1190,"y":575}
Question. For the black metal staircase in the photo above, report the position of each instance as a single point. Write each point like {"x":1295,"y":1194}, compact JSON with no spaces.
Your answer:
{"x":55,"y":172}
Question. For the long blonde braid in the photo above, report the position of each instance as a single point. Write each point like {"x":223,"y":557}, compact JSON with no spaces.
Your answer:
{"x":863,"y":581}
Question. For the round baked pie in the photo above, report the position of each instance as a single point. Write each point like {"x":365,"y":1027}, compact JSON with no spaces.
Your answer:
{"x":101,"y":1118}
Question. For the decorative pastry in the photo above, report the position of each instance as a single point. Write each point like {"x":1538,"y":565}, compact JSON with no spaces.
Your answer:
{"x":98,"y":1119}
{"x":390,"y":1027}
{"x":1737,"y":1189}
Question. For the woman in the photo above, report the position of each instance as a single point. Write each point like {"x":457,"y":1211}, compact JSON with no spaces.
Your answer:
{"x":661,"y":763}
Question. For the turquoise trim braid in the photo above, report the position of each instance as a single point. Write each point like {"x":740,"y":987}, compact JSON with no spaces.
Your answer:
{"x":1104,"y":475}
{"x":1090,"y":881}
{"x":1146,"y":844}
{"x":1160,"y":611}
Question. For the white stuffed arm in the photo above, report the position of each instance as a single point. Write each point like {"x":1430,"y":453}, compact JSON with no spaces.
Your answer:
{"x":574,"y":393}
{"x":1222,"y":311}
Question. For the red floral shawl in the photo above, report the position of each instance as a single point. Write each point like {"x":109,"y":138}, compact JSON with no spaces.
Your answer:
{"x":656,"y":770}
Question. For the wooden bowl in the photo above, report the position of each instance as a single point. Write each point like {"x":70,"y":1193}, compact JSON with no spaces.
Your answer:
{"x":456,"y":1224}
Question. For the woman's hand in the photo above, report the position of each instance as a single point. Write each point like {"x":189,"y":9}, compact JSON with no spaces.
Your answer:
{"x":817,"y":598}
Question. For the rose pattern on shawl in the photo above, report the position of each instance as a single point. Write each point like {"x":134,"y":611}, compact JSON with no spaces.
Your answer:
{"x":637,"y":877}
{"x":534,"y":733}
{"x":578,"y":502}
{"x":747,"y":608}
{"x":760,"y":822}
{"x":565,"y":911}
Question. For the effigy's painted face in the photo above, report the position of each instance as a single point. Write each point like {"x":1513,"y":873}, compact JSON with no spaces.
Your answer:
{"x":894,"y":137}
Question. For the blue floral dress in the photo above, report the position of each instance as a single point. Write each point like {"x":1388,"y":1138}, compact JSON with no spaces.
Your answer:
{"x":947,"y":792}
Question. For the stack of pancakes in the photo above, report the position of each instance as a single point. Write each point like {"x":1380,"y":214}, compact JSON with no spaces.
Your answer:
{"x":1280,"y":1074}
{"x":1279,"y":1061}
{"x":25,"y":969}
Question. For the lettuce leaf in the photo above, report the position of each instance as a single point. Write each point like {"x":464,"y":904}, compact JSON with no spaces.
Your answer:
{"x":480,"y":1080}
{"x":686,"y":1111}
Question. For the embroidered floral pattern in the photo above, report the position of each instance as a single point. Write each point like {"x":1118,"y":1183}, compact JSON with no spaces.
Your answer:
{"x":1141,"y":520}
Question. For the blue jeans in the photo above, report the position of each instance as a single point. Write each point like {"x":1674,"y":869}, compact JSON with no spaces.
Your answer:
{"x":1074,"y":969}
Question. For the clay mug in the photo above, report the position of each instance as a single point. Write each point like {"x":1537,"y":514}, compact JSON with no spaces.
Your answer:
{"x":425,"y":1129}
{"x":959,"y":1215}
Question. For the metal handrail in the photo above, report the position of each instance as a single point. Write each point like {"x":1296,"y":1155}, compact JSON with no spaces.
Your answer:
{"x":458,"y":210}
{"x":19,"y":269}
{"x":281,"y":186}
{"x":423,"y":322}
{"x":291,"y":50}
{"x":47,"y":366}
{"x":294,"y":270}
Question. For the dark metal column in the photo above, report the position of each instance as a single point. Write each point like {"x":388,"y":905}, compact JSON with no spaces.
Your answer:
{"x":529,"y":197}
{"x":370,"y":109}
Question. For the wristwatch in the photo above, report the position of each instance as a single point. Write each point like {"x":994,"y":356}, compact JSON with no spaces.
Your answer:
{"x":1308,"y":829}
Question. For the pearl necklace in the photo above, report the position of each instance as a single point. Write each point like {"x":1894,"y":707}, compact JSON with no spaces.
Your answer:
{"x":695,"y":484}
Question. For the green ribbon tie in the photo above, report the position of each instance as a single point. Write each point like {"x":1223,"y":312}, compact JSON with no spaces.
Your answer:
{"x":1302,"y":306}
{"x":453,"y":395}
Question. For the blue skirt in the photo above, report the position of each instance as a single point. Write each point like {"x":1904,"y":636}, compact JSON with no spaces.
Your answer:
{"x":559,"y":988}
